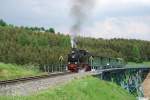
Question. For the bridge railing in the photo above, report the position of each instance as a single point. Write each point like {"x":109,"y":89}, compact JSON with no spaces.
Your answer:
{"x":53,"y":68}
{"x":106,"y":67}
{"x":137,"y":66}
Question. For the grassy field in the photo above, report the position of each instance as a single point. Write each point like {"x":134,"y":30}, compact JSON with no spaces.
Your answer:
{"x":146,"y":64}
{"x":11,"y":71}
{"x":88,"y":88}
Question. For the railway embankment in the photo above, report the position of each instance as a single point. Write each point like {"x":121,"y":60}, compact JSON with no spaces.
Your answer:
{"x":146,"y":86}
{"x":32,"y":86}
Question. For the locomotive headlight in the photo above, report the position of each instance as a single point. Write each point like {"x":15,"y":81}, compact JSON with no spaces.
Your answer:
{"x":75,"y":62}
{"x":73,"y":56}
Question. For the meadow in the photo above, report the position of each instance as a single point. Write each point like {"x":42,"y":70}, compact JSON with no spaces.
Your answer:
{"x":12,"y":71}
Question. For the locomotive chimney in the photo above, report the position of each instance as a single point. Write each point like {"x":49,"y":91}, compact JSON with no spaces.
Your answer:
{"x":73,"y":42}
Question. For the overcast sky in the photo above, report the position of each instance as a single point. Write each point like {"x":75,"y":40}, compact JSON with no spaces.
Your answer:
{"x":109,"y":19}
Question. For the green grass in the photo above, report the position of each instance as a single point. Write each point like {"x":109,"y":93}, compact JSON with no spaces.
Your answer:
{"x":12,"y":71}
{"x":88,"y":88}
{"x":146,"y":64}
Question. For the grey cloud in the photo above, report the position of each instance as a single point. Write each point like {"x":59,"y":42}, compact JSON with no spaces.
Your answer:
{"x":55,"y":13}
{"x":34,"y":12}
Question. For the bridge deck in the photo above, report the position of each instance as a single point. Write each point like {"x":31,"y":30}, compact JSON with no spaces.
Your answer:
{"x":99,"y":71}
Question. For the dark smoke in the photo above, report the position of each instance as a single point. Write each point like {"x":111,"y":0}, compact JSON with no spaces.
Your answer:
{"x":80,"y":11}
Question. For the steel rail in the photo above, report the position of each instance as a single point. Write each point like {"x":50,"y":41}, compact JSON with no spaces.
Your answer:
{"x":31,"y":78}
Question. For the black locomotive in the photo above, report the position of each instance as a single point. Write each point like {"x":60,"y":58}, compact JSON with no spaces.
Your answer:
{"x":78,"y":60}
{"x":83,"y":60}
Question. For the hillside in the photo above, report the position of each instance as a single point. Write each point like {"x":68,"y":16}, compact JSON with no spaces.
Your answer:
{"x":24,"y":46}
{"x":88,"y":88}
{"x":129,"y":49}
{"x":21,"y":45}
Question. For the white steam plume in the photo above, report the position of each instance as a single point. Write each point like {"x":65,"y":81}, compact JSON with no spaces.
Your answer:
{"x":80,"y":11}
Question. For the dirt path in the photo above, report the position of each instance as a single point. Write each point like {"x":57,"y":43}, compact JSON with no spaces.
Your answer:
{"x":146,"y":86}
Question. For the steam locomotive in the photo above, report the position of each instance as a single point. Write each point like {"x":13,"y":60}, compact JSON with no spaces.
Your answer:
{"x":82,"y":60}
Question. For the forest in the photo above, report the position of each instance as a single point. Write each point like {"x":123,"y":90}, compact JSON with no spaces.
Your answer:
{"x":34,"y":45}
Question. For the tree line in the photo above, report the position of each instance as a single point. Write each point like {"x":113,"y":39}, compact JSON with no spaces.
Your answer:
{"x":21,"y":45}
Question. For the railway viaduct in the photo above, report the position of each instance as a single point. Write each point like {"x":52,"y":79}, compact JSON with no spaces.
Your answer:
{"x":130,"y":78}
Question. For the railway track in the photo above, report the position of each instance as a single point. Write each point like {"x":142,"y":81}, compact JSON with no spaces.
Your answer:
{"x":31,"y":78}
